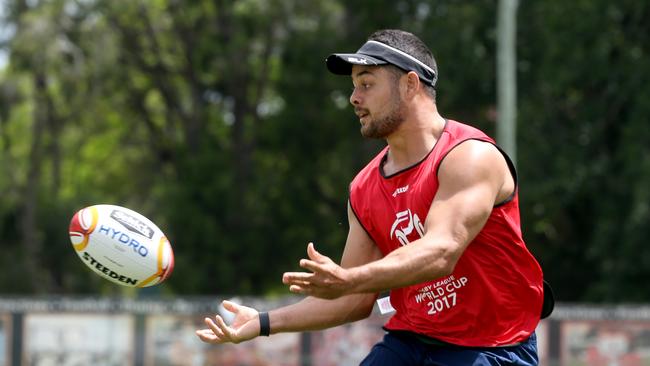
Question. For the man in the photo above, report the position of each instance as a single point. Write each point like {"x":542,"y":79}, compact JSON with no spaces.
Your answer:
{"x":434,"y":218}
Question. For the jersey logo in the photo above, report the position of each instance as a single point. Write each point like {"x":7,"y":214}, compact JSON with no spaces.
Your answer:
{"x":405,"y":223}
{"x":401,"y":190}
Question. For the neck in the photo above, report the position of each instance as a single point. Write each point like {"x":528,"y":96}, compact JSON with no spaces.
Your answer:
{"x":414,"y":139}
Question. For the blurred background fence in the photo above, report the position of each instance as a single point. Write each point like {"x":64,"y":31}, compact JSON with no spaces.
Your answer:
{"x":100,"y":331}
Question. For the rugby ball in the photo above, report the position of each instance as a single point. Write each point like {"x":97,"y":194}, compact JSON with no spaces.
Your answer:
{"x":121,"y":245}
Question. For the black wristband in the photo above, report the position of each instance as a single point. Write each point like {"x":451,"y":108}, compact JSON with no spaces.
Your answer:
{"x":265,"y":324}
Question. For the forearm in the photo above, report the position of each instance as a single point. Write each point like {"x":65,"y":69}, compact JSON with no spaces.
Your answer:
{"x":415,"y":263}
{"x":316,"y":314}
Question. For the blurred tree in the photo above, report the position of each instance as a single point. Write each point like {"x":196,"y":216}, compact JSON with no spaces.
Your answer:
{"x":585,"y":153}
{"x":43,"y":73}
{"x":218,"y":120}
{"x":163,"y":115}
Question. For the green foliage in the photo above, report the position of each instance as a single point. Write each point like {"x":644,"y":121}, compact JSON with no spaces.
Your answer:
{"x":583,"y":96}
{"x":219,"y":121}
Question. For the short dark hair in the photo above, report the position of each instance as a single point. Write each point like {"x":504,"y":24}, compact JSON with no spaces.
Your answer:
{"x":411,"y":44}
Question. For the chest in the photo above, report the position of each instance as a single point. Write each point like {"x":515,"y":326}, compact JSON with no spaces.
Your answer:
{"x":397,"y":207}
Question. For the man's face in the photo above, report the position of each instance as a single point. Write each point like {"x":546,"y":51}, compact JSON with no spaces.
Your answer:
{"x":376,"y":100}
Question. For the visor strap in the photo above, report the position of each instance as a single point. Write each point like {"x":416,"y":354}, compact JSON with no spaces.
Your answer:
{"x":425,"y":66}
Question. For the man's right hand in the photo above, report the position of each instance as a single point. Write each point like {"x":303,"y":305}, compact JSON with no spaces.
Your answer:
{"x":245,"y":326}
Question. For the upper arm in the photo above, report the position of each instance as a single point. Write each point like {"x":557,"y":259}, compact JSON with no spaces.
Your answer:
{"x":359,"y":247}
{"x":472,"y":178}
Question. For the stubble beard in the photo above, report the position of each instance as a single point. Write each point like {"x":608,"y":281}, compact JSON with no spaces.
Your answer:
{"x":384,"y":126}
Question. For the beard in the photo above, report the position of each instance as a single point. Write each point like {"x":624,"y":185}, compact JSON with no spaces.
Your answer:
{"x":382,"y":126}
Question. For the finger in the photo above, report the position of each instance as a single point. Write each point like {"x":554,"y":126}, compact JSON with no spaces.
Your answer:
{"x":312,"y":265}
{"x":289,"y":277}
{"x":304,"y":284}
{"x":227,"y":331}
{"x":215,"y":327}
{"x":230,"y":306}
{"x":313,"y":253}
{"x":206,"y":335}
{"x":299,"y":290}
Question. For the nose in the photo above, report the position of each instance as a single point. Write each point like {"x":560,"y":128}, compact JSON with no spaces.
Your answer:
{"x":354,"y":97}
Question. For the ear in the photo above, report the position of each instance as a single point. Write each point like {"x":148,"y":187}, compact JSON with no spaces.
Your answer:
{"x":413,"y":84}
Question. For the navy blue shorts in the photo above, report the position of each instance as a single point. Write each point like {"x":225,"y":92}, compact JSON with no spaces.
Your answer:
{"x":404,"y":349}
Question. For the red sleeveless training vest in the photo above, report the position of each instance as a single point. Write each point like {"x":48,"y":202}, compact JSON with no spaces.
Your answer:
{"x":493,"y":297}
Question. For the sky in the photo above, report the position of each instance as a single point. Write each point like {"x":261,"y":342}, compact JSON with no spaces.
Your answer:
{"x":4,"y":32}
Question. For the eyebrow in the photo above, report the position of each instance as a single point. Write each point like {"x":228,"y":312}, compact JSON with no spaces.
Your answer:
{"x":361,"y":73}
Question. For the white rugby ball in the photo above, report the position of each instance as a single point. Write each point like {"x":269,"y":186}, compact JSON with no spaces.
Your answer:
{"x":121,"y":245}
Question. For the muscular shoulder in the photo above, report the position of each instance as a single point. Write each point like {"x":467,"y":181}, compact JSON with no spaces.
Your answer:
{"x":475,"y":162}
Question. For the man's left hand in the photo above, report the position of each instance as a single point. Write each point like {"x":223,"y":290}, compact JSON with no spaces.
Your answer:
{"x":327,"y":279}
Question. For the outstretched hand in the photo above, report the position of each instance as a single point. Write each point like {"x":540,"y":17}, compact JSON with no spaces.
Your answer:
{"x":327,"y":279}
{"x":245,"y":326}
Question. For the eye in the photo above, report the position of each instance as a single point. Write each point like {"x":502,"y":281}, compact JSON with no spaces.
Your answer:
{"x":364,"y":86}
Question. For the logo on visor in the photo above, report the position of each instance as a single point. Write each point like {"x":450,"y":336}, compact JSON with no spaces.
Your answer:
{"x":356,"y":60}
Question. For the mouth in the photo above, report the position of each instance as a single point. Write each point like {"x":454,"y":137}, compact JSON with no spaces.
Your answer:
{"x":361,"y":114}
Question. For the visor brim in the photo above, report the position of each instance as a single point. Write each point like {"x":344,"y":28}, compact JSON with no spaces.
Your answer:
{"x":341,"y":63}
